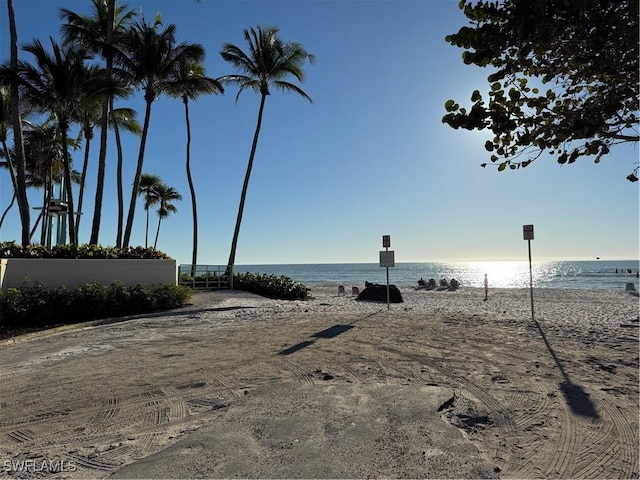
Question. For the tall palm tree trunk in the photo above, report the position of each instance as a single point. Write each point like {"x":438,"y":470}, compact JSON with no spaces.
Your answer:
{"x":136,"y":180}
{"x":157,"y":232}
{"x":46,"y":198}
{"x":83,"y":178}
{"x":23,"y":201}
{"x":245,"y":186}
{"x":4,"y":214}
{"x":11,"y":167}
{"x":73,"y":238}
{"x":102,"y":161}
{"x":36,"y":223}
{"x":14,"y":182}
{"x":146,"y":229}
{"x":104,"y":126}
{"x":194,"y":208}
{"x":116,"y":131}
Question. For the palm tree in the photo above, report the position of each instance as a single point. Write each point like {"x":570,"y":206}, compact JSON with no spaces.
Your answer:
{"x":8,"y":164}
{"x":165,"y":195}
{"x":125,"y":119}
{"x":21,"y":188}
{"x":268,"y":63}
{"x":5,"y":125}
{"x":44,"y":154}
{"x":147,"y":188}
{"x":99,"y":33}
{"x":190,"y":83}
{"x":6,"y":210}
{"x":150,"y":59}
{"x":58,"y":84}
{"x":90,"y":116}
{"x":31,"y":181}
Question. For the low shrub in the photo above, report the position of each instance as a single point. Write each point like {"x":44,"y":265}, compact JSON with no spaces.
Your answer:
{"x":118,"y":298}
{"x":270,"y":286}
{"x":168,"y":296}
{"x":13,"y":250}
{"x":35,"y":305}
{"x":206,"y":279}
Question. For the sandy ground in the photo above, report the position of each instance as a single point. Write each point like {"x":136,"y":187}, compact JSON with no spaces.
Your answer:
{"x":443,"y":385}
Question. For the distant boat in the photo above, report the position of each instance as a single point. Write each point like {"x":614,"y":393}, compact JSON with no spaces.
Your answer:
{"x":597,"y":258}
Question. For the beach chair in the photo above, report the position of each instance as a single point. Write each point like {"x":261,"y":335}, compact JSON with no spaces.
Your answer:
{"x":355,"y":291}
{"x":630,"y":287}
{"x":341,"y":290}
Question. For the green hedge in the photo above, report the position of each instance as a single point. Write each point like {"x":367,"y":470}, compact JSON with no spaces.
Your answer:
{"x":270,"y":286}
{"x":12,"y":250}
{"x":36,"y":304}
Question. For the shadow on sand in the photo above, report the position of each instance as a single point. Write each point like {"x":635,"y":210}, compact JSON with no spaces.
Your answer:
{"x":578,"y":400}
{"x":327,"y":333}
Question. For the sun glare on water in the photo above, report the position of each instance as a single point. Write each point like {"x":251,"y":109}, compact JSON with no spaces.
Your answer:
{"x":503,"y":274}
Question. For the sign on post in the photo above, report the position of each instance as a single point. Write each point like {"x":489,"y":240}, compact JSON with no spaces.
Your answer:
{"x":527,"y":233}
{"x":387,"y":258}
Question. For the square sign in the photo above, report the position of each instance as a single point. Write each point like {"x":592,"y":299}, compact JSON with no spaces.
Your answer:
{"x":527,"y":232}
{"x":386,"y":241}
{"x":387,"y":258}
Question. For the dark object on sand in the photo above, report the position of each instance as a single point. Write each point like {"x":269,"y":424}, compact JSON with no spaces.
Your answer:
{"x":424,"y":285}
{"x":378,"y":293}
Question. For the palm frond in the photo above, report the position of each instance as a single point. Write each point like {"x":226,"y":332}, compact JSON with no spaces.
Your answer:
{"x":287,"y":87}
{"x":268,"y":61}
{"x":126,"y":118}
{"x":91,"y":30}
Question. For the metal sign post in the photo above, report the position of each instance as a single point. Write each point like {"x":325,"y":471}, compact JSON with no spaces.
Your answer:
{"x":387,"y":259}
{"x":527,"y":233}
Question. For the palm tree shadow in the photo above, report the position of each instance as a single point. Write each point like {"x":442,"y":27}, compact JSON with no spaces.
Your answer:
{"x":330,"y":332}
{"x":297,"y":347}
{"x":327,"y":333}
{"x":577,"y":399}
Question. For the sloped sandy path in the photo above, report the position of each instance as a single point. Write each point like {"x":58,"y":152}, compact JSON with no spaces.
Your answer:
{"x":242,"y":386}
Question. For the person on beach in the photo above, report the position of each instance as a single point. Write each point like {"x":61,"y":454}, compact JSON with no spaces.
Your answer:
{"x":486,"y":288}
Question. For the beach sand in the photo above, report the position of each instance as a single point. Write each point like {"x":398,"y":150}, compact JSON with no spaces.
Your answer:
{"x":443,"y":385}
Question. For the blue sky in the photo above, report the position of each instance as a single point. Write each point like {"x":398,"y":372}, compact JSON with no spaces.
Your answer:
{"x":369,"y":157}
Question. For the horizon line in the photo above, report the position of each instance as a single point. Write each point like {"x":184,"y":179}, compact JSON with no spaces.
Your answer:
{"x":436,"y":261}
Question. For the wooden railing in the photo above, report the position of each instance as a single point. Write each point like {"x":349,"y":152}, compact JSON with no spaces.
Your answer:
{"x":207,"y":277}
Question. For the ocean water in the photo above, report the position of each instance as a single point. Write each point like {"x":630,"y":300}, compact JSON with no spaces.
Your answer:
{"x":588,"y":275}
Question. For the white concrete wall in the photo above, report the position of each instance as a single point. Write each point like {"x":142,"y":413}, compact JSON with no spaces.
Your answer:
{"x":74,"y":272}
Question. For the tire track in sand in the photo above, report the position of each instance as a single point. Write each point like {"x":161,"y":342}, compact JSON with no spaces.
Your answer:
{"x":619,"y":438}
{"x":148,"y":419}
{"x":501,"y":416}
